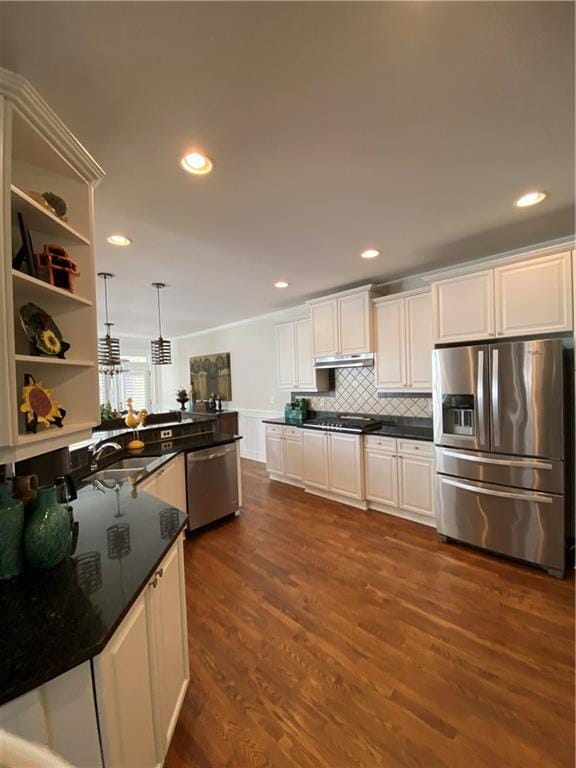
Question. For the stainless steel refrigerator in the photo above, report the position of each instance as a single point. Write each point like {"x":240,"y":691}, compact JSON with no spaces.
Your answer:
{"x":499,"y":430}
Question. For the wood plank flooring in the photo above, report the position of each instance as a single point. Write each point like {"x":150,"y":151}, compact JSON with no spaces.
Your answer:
{"x":321,"y":635}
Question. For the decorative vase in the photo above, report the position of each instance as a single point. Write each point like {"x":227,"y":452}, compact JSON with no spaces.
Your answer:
{"x":11,"y":534}
{"x":47,"y":537}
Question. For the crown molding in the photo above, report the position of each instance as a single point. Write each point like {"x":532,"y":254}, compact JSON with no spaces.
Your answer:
{"x":26,"y":99}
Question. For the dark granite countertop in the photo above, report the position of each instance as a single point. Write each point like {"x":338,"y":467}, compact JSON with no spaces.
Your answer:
{"x":54,"y":620}
{"x":411,"y":428}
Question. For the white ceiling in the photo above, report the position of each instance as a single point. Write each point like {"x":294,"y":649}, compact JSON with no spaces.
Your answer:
{"x":410,"y":127}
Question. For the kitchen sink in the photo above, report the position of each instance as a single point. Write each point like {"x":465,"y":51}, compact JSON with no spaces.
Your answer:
{"x":135,"y":463}
{"x":119,"y":474}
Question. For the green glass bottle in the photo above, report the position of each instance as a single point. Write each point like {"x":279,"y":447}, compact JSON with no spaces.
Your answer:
{"x":11,"y":534}
{"x":47,"y":537}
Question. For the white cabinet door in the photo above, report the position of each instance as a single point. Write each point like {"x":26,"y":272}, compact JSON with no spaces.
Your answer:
{"x":124,"y":694}
{"x":169,"y":645}
{"x":285,"y":356}
{"x":381,"y":477}
{"x":346,"y":465}
{"x":324,"y":318}
{"x":171,"y":486}
{"x":390,"y":370}
{"x":303,"y":355}
{"x":534,"y":296}
{"x":354,"y":323}
{"x":419,"y":340}
{"x":416,"y":481}
{"x":275,"y":453}
{"x":315,"y":459}
{"x":293,"y":457}
{"x":464,"y":307}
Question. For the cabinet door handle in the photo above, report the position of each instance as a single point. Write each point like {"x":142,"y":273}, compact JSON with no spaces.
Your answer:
{"x":154,"y":582}
{"x":160,"y":572}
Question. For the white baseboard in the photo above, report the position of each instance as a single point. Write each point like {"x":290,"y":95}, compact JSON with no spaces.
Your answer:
{"x":406,"y":514}
{"x":359,"y":504}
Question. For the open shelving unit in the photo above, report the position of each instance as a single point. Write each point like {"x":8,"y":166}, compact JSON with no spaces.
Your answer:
{"x":37,"y":154}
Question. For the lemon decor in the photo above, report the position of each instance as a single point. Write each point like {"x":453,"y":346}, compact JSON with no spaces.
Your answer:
{"x":38,"y":405}
{"x":42,"y":332}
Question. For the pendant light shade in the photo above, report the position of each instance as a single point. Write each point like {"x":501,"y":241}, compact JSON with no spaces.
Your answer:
{"x":108,"y":347}
{"x":161,"y":351}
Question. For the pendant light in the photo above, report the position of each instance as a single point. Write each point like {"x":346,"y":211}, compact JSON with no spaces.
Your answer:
{"x":161,"y":354}
{"x":108,"y":347}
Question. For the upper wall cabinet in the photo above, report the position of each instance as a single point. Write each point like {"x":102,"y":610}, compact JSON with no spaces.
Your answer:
{"x":517,"y":298}
{"x":39,"y":154}
{"x":294,"y":364}
{"x":403,"y":341}
{"x":341,"y":324}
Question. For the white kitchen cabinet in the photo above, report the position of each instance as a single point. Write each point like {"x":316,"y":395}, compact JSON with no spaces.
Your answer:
{"x":275,"y":452}
{"x":404,"y":342}
{"x":324,"y":317}
{"x":390,"y":331}
{"x":534,"y":296}
{"x":416,"y":484}
{"x":524,"y":297}
{"x":123,"y":684}
{"x":286,"y":364}
{"x":284,"y":453}
{"x":293,"y":457}
{"x":381,"y":471}
{"x":400,"y":477}
{"x":142,"y":674}
{"x":304,"y":374}
{"x":354,"y":324}
{"x":342,"y":323}
{"x":294,"y":363}
{"x":168,"y":483}
{"x":166,"y":613}
{"x":346,"y":465}
{"x":419,"y":340}
{"x":315,"y":459}
{"x":464,"y":307}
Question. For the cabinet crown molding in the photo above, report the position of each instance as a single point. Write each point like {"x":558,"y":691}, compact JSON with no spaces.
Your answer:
{"x":401,"y":295}
{"x":28,"y":102}
{"x":370,"y":288}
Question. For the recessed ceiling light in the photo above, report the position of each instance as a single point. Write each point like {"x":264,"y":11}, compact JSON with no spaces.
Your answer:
{"x":119,"y":240}
{"x":370,"y":253}
{"x":281,"y":284}
{"x":530,"y":198}
{"x":195,"y":162}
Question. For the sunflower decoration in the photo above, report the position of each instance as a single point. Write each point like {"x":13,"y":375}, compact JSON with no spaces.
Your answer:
{"x":38,"y":405}
{"x":42,"y":331}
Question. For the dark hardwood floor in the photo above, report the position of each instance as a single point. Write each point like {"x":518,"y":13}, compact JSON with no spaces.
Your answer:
{"x":321,"y":635}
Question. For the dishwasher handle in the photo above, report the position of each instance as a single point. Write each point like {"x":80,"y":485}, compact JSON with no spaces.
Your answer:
{"x":209,"y":454}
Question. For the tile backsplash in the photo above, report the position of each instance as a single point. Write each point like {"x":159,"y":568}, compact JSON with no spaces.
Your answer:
{"x":355,"y":392}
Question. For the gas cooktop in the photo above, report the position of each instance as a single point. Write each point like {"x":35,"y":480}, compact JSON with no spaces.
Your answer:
{"x":354,"y":424}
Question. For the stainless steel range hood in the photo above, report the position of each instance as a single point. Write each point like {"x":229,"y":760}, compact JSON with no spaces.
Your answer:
{"x":344,"y":361}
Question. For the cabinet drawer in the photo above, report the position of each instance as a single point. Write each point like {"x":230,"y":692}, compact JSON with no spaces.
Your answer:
{"x":294,"y":432}
{"x":415,"y":448}
{"x":380,"y":443}
{"x":274,"y":429}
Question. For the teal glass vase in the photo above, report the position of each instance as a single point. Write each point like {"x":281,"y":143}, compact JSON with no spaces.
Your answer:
{"x":47,"y":537}
{"x":11,"y":534}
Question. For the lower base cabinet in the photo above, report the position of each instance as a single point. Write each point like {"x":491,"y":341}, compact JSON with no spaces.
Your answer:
{"x":141,"y":676}
{"x":400,"y":475}
{"x":168,"y":483}
{"x":284,"y":453}
{"x":334,"y":463}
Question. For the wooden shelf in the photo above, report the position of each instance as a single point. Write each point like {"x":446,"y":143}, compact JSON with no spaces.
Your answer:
{"x":38,"y":218}
{"x":35,"y":359}
{"x":37,"y":290}
{"x":29,"y":438}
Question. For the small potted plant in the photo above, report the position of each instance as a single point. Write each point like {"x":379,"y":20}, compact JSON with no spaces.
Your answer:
{"x":182,"y":398}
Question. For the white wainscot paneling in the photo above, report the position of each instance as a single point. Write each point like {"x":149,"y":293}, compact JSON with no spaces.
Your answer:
{"x":253,"y":431}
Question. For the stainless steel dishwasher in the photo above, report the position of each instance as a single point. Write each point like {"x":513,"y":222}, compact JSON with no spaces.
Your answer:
{"x":212,"y":479}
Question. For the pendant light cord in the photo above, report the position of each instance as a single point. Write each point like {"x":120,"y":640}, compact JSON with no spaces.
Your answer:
{"x":107,"y":324}
{"x":159,"y":317}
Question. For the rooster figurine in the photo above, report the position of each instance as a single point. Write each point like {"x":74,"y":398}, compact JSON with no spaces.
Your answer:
{"x":134,"y":420}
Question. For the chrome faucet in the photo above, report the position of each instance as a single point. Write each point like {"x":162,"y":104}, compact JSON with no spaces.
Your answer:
{"x":95,"y":453}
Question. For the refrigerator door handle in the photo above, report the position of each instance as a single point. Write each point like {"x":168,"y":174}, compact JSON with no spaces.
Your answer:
{"x":540,"y":499}
{"x":495,"y":392}
{"x":480,"y":397}
{"x":524,"y":463}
